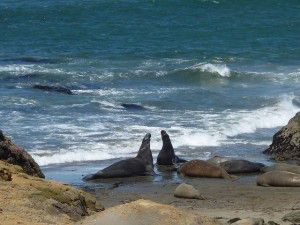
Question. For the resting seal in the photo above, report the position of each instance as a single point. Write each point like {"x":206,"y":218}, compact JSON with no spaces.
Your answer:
{"x":282,"y":167}
{"x":279,"y":179}
{"x":218,"y":159}
{"x":141,"y":165}
{"x":241,"y":166}
{"x":200,"y":168}
{"x":167,"y":155}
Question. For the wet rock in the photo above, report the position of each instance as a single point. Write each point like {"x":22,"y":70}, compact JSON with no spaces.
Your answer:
{"x":13,"y":154}
{"x":272,"y":223}
{"x":250,"y":221}
{"x":233,"y":220}
{"x":187,"y":191}
{"x":293,"y":217}
{"x":286,"y":142}
{"x":59,"y":89}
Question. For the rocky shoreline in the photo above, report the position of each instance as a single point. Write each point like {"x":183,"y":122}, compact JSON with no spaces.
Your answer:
{"x":27,"y":198}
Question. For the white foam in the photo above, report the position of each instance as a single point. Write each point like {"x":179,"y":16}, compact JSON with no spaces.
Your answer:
{"x":220,"y":69}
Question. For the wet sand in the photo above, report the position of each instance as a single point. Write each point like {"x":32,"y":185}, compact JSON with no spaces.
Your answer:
{"x":225,"y":199}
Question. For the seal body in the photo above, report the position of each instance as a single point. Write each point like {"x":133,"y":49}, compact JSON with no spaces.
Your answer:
{"x":241,"y":166}
{"x":200,"y":168}
{"x":282,"y":167}
{"x":218,"y":159}
{"x":187,"y":191}
{"x":167,"y":155}
{"x":141,"y":165}
{"x":279,"y":179}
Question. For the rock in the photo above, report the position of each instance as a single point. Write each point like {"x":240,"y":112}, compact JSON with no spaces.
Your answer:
{"x":13,"y":154}
{"x":187,"y":191}
{"x":286,"y":142}
{"x":233,"y":220}
{"x":293,"y":217}
{"x":5,"y":175}
{"x":147,"y":212}
{"x":33,"y":200}
{"x":272,"y":223}
{"x":131,"y":106}
{"x":250,"y":221}
{"x":59,"y":89}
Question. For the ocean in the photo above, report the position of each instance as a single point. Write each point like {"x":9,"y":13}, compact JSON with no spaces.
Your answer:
{"x":221,"y":77}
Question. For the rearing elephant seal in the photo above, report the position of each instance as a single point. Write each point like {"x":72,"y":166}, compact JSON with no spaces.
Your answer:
{"x":279,"y":179}
{"x":167,"y":155}
{"x":141,"y":165}
{"x":200,"y":168}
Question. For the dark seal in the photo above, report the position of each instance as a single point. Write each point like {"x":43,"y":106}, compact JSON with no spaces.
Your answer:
{"x":50,"y":88}
{"x":167,"y":155}
{"x":241,"y":166}
{"x":141,"y":165}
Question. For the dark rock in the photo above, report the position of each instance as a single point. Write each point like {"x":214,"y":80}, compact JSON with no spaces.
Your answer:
{"x":132,"y":106}
{"x":233,"y":220}
{"x":13,"y":154}
{"x":58,"y":89}
{"x":272,"y":223}
{"x":286,"y":142}
{"x":293,"y":217}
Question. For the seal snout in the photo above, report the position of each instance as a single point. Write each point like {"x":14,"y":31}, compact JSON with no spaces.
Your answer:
{"x":147,"y":137}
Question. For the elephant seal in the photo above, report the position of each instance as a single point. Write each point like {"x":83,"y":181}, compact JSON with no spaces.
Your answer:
{"x":141,"y":165}
{"x":187,"y":191}
{"x":241,"y":166}
{"x":201,"y":168}
{"x":279,"y":179}
{"x":131,"y":106}
{"x":282,"y":167}
{"x":167,"y":155}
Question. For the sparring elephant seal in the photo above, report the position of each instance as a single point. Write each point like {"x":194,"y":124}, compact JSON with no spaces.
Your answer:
{"x":200,"y":168}
{"x":167,"y":155}
{"x":241,"y":166}
{"x":282,"y":167}
{"x":141,"y":165}
{"x":279,"y":179}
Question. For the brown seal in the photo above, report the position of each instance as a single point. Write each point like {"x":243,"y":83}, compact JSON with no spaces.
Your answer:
{"x":279,"y":179}
{"x":201,"y":168}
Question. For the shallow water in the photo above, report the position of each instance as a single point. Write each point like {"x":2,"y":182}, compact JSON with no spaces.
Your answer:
{"x":220,"y":76}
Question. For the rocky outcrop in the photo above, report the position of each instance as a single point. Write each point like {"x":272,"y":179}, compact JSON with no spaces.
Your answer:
{"x":13,"y":154}
{"x":25,"y":199}
{"x":286,"y":142}
{"x":147,"y":212}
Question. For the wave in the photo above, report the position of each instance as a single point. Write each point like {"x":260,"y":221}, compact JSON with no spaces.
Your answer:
{"x":219,"y":69}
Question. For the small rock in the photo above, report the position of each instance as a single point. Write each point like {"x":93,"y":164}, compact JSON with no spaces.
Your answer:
{"x":5,"y":175}
{"x":187,"y":191}
{"x":293,"y":217}
{"x":250,"y":221}
{"x":2,"y":137}
{"x":272,"y":223}
{"x":233,"y":220}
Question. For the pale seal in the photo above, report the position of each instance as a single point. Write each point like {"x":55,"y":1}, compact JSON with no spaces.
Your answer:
{"x":282,"y":167}
{"x":279,"y":179}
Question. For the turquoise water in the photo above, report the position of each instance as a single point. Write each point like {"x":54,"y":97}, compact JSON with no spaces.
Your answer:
{"x":220,"y":76}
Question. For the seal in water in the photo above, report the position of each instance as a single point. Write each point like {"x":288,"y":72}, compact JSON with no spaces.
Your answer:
{"x":279,"y":179}
{"x":167,"y":155}
{"x":58,"y":89}
{"x":141,"y":165}
{"x":201,"y":168}
{"x":241,"y":166}
{"x":282,"y":167}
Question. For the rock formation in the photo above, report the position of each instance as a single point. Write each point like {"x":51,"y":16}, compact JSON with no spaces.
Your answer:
{"x":286,"y":142}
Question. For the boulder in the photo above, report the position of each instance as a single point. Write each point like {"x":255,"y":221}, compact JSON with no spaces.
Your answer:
{"x":249,"y":221}
{"x":187,"y":191}
{"x":286,"y":142}
{"x":16,"y":155}
{"x":144,"y":212}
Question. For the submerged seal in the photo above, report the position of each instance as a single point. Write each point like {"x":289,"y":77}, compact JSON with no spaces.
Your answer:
{"x":201,"y":168}
{"x":167,"y":155}
{"x":59,"y":89}
{"x":241,"y":166}
{"x":282,"y":167}
{"x":279,"y":179}
{"x":141,"y":165}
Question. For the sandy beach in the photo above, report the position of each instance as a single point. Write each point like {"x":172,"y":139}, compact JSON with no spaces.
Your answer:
{"x":224,"y":199}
